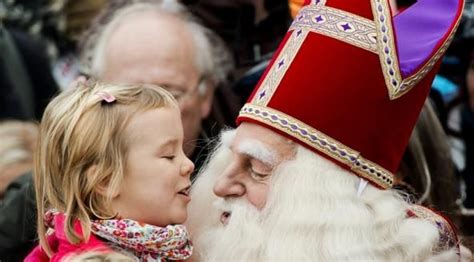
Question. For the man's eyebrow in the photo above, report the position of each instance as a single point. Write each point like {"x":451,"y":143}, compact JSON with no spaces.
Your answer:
{"x":257,"y":150}
{"x":170,"y":86}
{"x":227,"y":137}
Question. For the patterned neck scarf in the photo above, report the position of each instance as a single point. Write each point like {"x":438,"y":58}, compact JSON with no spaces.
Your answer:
{"x":146,"y":242}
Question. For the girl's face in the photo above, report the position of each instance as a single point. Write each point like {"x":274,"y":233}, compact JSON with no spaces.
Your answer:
{"x":156,"y":180}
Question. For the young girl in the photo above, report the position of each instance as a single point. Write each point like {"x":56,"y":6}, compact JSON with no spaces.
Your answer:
{"x":111,"y":175}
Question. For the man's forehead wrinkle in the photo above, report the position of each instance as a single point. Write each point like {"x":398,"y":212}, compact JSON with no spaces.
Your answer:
{"x":148,"y":27}
{"x":150,"y":60}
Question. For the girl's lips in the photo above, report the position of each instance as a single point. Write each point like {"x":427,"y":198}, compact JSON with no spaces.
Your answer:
{"x":225,"y":216}
{"x":184,"y":196}
{"x":185,"y":191}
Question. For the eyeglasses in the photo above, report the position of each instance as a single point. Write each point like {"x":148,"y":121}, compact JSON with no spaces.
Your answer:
{"x":181,"y":95}
{"x":178,"y":93}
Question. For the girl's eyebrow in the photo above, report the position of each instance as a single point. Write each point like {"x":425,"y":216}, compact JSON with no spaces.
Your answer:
{"x":169,"y":143}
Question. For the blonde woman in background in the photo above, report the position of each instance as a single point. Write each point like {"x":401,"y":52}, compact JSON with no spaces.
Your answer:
{"x":17,"y":143}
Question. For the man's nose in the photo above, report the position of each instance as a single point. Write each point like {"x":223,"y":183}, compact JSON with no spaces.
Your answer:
{"x":228,"y":186}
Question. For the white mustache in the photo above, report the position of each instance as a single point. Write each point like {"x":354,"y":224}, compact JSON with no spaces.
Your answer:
{"x":238,"y":208}
{"x":229,"y":205}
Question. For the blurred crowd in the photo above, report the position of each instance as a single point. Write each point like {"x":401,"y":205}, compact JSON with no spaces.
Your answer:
{"x":46,"y":44}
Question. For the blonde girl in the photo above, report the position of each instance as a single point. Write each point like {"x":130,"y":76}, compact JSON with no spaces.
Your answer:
{"x":110,"y":174}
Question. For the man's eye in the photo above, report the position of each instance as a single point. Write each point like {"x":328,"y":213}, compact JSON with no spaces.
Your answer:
{"x":177,"y":94}
{"x":258,"y":176}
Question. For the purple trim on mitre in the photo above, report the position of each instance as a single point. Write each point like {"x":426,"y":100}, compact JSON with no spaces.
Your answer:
{"x":420,"y":28}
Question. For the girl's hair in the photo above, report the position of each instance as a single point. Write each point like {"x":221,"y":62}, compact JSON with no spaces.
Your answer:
{"x":79,"y":158}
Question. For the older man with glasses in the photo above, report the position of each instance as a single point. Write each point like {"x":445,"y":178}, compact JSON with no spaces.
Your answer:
{"x":161,"y":43}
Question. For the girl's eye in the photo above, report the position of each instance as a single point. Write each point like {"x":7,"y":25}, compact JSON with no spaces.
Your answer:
{"x":169,"y":157}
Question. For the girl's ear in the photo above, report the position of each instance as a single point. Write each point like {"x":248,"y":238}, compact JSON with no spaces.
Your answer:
{"x":102,"y":186}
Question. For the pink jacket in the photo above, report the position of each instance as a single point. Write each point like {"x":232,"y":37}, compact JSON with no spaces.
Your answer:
{"x":61,"y":246}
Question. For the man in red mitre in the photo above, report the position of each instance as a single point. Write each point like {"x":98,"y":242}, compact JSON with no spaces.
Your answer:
{"x":307,"y":175}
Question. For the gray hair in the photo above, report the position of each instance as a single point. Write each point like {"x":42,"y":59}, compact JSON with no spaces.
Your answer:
{"x":213,"y":60}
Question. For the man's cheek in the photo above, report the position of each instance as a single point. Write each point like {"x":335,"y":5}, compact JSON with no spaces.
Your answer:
{"x":257,"y":196}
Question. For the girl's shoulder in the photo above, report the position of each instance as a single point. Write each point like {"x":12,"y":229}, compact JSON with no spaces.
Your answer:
{"x":63,"y":249}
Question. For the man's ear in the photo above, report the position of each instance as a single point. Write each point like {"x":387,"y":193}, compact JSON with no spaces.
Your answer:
{"x":207,"y":98}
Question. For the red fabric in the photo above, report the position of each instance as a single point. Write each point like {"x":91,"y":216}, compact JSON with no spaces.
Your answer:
{"x":338,"y":101}
{"x":61,"y":247}
{"x":339,"y":89}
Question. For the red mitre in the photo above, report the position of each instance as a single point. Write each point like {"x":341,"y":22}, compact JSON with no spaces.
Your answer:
{"x":349,"y":80}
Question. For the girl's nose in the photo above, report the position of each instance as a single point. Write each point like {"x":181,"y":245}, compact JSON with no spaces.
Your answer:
{"x":187,"y":167}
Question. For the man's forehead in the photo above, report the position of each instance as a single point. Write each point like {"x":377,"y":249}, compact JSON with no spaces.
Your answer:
{"x":262,"y":134}
{"x":249,"y":147}
{"x":153,"y":35}
{"x":138,"y":52}
{"x":251,"y":134}
{"x":150,"y":22}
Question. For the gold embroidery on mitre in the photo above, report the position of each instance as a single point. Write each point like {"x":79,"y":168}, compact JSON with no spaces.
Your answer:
{"x":318,"y":2}
{"x":279,"y":67}
{"x":338,"y":24}
{"x":448,"y":238}
{"x":344,"y":26}
{"x":321,"y":142}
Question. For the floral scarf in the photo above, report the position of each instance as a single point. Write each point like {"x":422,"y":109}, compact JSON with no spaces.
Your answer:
{"x":147,"y":242}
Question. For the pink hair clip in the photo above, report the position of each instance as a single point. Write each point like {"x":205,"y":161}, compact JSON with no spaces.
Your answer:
{"x":106,"y":96}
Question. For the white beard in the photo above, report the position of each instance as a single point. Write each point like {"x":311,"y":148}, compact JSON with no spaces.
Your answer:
{"x":312,"y":213}
{"x":241,"y":238}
